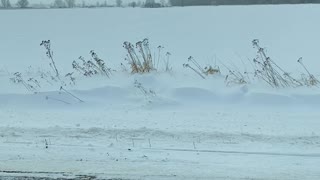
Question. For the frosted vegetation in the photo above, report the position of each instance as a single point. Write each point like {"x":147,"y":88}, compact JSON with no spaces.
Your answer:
{"x":141,"y":60}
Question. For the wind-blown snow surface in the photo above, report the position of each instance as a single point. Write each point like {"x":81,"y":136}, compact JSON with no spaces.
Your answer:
{"x":189,"y":128}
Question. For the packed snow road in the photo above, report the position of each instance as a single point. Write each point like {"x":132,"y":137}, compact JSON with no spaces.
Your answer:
{"x":157,"y":153}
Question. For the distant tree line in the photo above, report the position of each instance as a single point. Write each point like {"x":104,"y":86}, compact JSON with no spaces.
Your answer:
{"x":236,"y":2}
{"x":20,"y":4}
{"x":5,"y":4}
{"x":149,"y":4}
{"x":73,"y":4}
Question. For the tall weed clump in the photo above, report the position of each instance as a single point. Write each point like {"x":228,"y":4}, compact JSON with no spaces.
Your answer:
{"x":47,"y":45}
{"x":94,"y":66}
{"x":30,"y":84}
{"x":142,"y":60}
{"x":139,"y":56}
{"x":269,"y":71}
{"x":201,"y":71}
{"x":309,"y":79}
{"x":236,"y":77}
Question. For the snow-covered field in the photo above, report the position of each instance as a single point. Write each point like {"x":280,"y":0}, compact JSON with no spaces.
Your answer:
{"x":160,"y":125}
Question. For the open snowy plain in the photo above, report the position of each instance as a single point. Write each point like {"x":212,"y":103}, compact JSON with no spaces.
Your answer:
{"x":163,"y":124}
